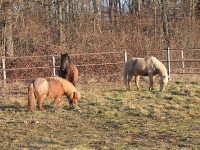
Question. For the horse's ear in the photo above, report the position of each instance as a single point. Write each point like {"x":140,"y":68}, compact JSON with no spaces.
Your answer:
{"x":61,"y":54}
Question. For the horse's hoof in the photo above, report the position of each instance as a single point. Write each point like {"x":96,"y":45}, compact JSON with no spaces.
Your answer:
{"x":72,"y":106}
{"x":42,"y":109}
{"x":77,"y":108}
{"x":128,"y":89}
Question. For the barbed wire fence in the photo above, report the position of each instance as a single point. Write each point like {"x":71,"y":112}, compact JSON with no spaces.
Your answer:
{"x":100,"y":65}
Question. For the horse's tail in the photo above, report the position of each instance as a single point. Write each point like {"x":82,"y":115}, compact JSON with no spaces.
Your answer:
{"x":31,"y":98}
{"x":125,"y":74}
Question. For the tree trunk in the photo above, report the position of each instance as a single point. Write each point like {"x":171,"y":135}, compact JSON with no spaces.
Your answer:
{"x":110,"y":10}
{"x":48,"y":11}
{"x":155,"y":23}
{"x":95,"y":22}
{"x":61,"y":23}
{"x":139,"y":6}
{"x":191,"y":15}
{"x":70,"y":17}
{"x":165,"y":23}
{"x":115,"y":13}
{"x":8,"y":35}
{"x":120,"y":7}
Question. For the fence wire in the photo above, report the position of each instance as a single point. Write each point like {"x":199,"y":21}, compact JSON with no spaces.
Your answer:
{"x":100,"y":65}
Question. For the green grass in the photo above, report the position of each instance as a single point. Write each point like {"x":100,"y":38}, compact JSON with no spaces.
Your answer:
{"x":108,"y":117}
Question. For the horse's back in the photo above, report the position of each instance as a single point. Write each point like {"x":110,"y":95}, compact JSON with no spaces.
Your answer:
{"x":40,"y":86}
{"x":58,"y":82}
{"x":75,"y":72}
{"x":146,"y":66}
{"x":158,"y":66}
{"x":55,"y":88}
{"x":129,"y":66}
{"x":68,"y":88}
{"x":152,"y":60}
{"x":140,"y":67}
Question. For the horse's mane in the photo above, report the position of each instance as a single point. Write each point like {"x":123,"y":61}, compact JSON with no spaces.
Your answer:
{"x":67,"y":86}
{"x":157,"y":64}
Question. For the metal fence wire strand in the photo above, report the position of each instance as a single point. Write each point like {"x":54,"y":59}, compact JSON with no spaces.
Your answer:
{"x":104,"y":64}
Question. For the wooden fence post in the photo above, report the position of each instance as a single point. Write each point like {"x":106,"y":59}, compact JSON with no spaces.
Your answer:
{"x":183,"y":63}
{"x":4,"y":70}
{"x":125,"y":56}
{"x":54,"y":66}
{"x":168,"y":63}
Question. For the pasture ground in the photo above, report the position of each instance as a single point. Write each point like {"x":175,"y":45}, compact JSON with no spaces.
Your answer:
{"x":108,"y":117}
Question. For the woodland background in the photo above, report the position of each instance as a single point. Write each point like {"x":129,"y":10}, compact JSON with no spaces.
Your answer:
{"x":109,"y":116}
{"x":39,"y":27}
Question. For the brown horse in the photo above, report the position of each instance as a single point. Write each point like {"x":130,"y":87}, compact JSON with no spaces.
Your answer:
{"x":51,"y":88}
{"x":149,"y":66}
{"x":68,"y":71}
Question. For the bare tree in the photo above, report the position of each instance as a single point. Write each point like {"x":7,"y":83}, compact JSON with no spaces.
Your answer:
{"x":8,"y":30}
{"x":77,"y":24}
{"x":165,"y":25}
{"x":192,"y":17}
{"x":70,"y":7}
{"x":95,"y":7}
{"x":61,"y":18}
{"x":110,"y":11}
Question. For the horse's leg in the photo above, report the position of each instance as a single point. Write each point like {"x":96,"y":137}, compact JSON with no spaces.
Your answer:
{"x":56,"y":101}
{"x":129,"y":81}
{"x":137,"y":80}
{"x":161,"y":85}
{"x":151,"y":82}
{"x":40,"y":101}
{"x":71,"y":102}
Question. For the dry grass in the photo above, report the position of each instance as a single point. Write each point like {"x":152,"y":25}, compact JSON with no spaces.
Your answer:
{"x":108,"y":118}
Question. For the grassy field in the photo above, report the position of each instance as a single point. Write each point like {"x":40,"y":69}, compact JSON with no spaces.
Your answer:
{"x":108,"y":117}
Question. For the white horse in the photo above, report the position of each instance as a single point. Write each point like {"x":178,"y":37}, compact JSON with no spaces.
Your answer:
{"x":149,"y":66}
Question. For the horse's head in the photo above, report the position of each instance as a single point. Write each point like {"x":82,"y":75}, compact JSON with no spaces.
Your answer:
{"x":65,"y":61}
{"x":163,"y":83}
{"x":74,"y":97}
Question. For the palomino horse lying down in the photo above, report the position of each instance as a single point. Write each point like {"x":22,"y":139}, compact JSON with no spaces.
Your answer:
{"x":149,"y":66}
{"x":51,"y":88}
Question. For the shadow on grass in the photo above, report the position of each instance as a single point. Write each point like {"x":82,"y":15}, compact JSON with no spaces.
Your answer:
{"x":117,"y":90}
{"x":14,"y":93}
{"x":18,"y":108}
{"x":13,"y":107}
{"x":131,"y":90}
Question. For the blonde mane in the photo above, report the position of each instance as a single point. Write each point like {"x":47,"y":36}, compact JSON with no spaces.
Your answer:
{"x":158,"y":65}
{"x":67,"y":86}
